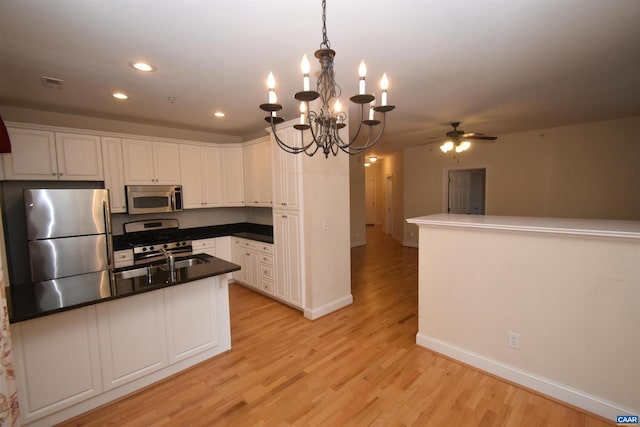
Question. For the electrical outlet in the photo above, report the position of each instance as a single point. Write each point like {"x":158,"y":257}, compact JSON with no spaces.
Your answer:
{"x":514,"y":340}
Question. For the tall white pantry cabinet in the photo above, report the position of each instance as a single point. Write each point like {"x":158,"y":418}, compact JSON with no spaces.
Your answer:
{"x":311,"y":226}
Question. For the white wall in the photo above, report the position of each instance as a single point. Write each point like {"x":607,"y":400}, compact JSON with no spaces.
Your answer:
{"x":588,"y":170}
{"x":327,"y":238}
{"x":573,"y":300}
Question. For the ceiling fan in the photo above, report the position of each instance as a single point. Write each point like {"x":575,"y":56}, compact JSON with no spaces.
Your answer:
{"x":460,"y":141}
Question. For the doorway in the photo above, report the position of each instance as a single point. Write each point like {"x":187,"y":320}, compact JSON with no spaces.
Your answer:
{"x":466,"y":191}
{"x":388,"y":203}
{"x":370,"y":201}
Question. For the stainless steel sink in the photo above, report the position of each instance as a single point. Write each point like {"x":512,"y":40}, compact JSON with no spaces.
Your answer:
{"x":184,"y":263}
{"x":136,"y":272}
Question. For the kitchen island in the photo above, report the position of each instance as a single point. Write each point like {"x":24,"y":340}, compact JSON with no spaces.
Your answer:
{"x":549,"y":303}
{"x":74,"y":354}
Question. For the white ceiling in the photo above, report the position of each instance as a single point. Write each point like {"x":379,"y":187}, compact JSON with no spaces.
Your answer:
{"x":497,"y":66}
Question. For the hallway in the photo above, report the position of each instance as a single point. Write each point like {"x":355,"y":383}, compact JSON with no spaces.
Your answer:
{"x":358,"y":366}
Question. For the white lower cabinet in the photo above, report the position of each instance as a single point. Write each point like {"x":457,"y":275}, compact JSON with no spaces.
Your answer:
{"x":132,"y":337}
{"x":256,"y":264}
{"x":288,"y":263}
{"x":204,"y":246}
{"x":71,"y":362}
{"x":57,"y":362}
{"x":194,"y":305}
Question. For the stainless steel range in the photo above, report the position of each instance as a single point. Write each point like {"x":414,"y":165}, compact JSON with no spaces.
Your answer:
{"x":154,"y":240}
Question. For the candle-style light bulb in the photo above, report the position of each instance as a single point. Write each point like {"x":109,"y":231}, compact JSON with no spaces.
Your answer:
{"x":271,"y":84}
{"x":306,"y":67}
{"x":303,"y":110}
{"x":372,"y":104}
{"x":362,"y":72}
{"x":337,"y":107}
{"x":384,"y":85}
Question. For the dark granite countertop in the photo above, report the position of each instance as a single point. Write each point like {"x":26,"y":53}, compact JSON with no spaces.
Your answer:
{"x":259,"y":232}
{"x":37,"y":300}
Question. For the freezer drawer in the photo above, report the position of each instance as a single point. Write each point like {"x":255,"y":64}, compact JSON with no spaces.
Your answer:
{"x":55,"y":258}
{"x":60,"y":293}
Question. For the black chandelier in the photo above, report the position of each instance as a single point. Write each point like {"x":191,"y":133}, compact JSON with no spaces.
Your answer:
{"x":325,"y":125}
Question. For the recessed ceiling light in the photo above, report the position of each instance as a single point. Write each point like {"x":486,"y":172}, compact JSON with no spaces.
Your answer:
{"x":119,"y":95}
{"x":218,"y":114}
{"x":142,"y":66}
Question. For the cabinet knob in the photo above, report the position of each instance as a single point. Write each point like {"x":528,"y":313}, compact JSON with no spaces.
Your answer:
{"x":61,"y":174}
{"x":53,"y":174}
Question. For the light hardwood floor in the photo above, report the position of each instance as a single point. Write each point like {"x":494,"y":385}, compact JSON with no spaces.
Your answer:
{"x":359,"y":366}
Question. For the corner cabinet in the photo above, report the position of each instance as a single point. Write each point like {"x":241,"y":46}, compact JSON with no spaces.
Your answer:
{"x":258,"y":176}
{"x":150,"y":162}
{"x":52,"y":156}
{"x":232,"y":168}
{"x":200,"y":176}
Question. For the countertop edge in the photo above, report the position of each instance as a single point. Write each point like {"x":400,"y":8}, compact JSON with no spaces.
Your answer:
{"x":570,"y":226}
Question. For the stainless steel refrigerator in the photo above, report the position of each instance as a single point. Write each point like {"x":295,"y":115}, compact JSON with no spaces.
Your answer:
{"x":70,"y":245}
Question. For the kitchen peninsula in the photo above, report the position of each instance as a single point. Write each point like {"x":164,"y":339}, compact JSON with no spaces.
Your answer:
{"x":548,"y":303}
{"x":145,"y":328}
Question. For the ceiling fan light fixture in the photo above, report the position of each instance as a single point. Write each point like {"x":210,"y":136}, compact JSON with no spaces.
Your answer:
{"x":447,"y":146}
{"x":463,"y":146}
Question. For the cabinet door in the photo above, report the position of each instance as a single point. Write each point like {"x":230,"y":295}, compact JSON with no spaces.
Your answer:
{"x":238,"y":257}
{"x":191,"y":176}
{"x":79,"y":157}
{"x":212,"y":176}
{"x":223,"y":248}
{"x":286,"y":233}
{"x":166,"y":163}
{"x":57,"y":362}
{"x":189,"y":305}
{"x":132,"y":337}
{"x":138,"y":162}
{"x":33,"y":155}
{"x":265,"y":174}
{"x":251,"y":173}
{"x":114,"y":173}
{"x":286,"y":172}
{"x":232,"y":177}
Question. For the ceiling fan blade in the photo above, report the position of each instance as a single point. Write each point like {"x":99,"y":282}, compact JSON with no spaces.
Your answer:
{"x":479,"y":137}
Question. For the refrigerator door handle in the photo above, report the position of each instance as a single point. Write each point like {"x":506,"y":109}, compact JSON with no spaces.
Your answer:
{"x":107,"y":229}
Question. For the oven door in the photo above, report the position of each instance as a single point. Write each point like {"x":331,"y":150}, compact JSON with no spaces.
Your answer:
{"x":144,"y":199}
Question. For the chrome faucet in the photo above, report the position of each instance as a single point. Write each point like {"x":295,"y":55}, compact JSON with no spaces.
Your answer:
{"x":170,"y":260}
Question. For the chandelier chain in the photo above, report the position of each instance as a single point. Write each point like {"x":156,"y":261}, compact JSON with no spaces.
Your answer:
{"x":325,"y":39}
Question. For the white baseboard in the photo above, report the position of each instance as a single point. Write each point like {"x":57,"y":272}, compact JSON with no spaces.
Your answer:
{"x":577,"y":398}
{"x":358,"y":242}
{"x":317,"y":313}
{"x":410,"y":244}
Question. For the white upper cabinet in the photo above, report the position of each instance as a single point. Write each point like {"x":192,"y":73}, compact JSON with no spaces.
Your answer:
{"x":46,"y":155}
{"x":232,"y":167}
{"x":114,"y":173}
{"x":286,"y":172}
{"x":150,"y":162}
{"x":200,"y":176}
{"x":258,"y":179}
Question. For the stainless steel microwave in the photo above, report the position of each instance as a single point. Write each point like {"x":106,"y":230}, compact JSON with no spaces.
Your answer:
{"x":143,"y":199}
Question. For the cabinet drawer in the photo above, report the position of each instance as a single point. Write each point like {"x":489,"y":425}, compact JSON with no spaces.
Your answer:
{"x":266,"y":247}
{"x":203,"y":244}
{"x":123,"y":256}
{"x":251,"y":244}
{"x":266,"y":259}
{"x":267,"y":286}
{"x":266,"y":271}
